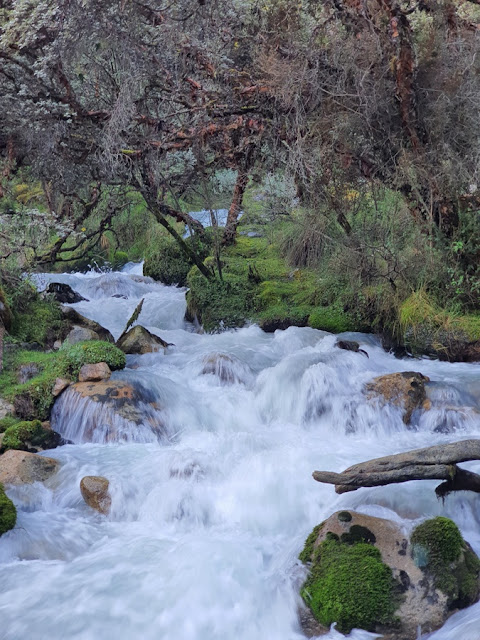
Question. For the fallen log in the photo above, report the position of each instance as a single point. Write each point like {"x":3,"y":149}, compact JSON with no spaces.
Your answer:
{"x":431,"y":463}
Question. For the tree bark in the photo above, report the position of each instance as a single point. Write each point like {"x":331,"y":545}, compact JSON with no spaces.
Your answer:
{"x":431,"y":463}
{"x":235,"y":208}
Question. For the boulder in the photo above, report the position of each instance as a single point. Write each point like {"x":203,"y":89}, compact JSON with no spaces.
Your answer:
{"x":60,"y":385}
{"x":117,"y":410}
{"x":405,"y":390}
{"x":353,"y":558}
{"x":94,"y":491}
{"x":350,"y":345}
{"x":64,"y":293}
{"x":22,"y":467}
{"x":5,"y":408}
{"x":80,"y":334}
{"x":76,"y":319}
{"x":94,"y":372}
{"x":26,"y":372}
{"x":32,"y":436}
{"x":139,"y":340}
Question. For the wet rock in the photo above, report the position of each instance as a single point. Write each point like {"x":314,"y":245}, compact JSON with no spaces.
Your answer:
{"x":227,"y":368}
{"x":60,"y":385}
{"x":94,"y":491}
{"x":76,"y":319}
{"x":94,"y":372}
{"x":31,"y":436}
{"x":80,"y":334}
{"x":5,"y":408}
{"x":27,"y":371}
{"x":350,"y":345}
{"x":64,"y":293}
{"x":139,"y":340}
{"x":435,"y":572}
{"x":108,"y":411}
{"x":405,"y":390}
{"x":22,"y":467}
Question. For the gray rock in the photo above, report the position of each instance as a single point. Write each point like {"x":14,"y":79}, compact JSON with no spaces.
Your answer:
{"x":21,"y":467}
{"x":139,"y":340}
{"x":80,"y":334}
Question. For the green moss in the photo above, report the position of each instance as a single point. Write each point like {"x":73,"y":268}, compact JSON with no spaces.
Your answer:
{"x":307,"y":552}
{"x":345,"y":516}
{"x":332,"y":318}
{"x":166,"y":262}
{"x":438,"y":547}
{"x":119,"y":259}
{"x":8,"y":513}
{"x":6,"y":422}
{"x":91,"y":352}
{"x":23,"y":435}
{"x":41,"y":321}
{"x":350,"y":585}
{"x":33,"y":399}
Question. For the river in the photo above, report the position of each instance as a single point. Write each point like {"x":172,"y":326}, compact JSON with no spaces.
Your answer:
{"x":207,"y":522}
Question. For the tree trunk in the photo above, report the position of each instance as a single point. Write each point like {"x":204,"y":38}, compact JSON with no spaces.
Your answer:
{"x":2,"y":334}
{"x":235,"y":208}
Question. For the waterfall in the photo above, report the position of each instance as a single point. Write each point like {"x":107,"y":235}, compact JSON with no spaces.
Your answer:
{"x":210,"y":475}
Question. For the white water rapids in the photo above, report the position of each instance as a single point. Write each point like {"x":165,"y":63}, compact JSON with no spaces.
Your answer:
{"x":207,"y":522}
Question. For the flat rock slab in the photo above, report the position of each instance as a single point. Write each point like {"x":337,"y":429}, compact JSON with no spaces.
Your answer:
{"x":21,"y":467}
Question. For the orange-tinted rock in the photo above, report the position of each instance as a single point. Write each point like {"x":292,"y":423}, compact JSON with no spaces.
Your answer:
{"x":94,"y":491}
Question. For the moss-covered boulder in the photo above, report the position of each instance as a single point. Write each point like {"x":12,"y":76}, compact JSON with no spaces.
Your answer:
{"x":30,"y":436}
{"x":8,"y":513}
{"x":405,"y":390}
{"x":439,"y":549}
{"x":366,"y":573}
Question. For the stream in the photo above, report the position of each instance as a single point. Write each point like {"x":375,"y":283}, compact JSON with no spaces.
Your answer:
{"x":208,"y":520}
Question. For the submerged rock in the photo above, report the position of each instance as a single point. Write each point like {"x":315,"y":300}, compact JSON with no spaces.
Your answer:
{"x":405,"y":390}
{"x":139,"y":341}
{"x":94,"y":372}
{"x":227,"y":368}
{"x":94,"y":491}
{"x":64,"y":293}
{"x":22,"y":467}
{"x":366,"y":573}
{"x":350,"y":345}
{"x":108,"y":411}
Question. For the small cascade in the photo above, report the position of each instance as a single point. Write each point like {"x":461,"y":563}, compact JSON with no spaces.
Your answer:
{"x":211,"y":447}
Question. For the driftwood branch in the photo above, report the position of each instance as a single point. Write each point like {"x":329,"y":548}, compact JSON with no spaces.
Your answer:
{"x":431,"y":463}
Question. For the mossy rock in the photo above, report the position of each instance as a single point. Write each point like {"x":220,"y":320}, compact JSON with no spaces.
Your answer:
{"x":33,"y":399}
{"x":8,"y":513}
{"x":7,"y":422}
{"x":41,"y":321}
{"x":29,"y":436}
{"x":438,"y":547}
{"x":350,"y":585}
{"x":167,"y":263}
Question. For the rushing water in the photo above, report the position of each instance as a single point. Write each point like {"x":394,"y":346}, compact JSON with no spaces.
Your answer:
{"x":208,"y":519}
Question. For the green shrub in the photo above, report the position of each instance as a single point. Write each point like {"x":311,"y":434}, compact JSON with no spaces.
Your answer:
{"x":166,"y":262}
{"x":8,"y":513}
